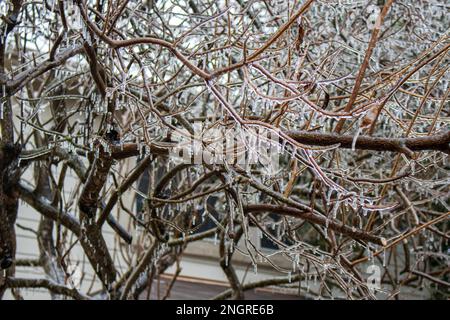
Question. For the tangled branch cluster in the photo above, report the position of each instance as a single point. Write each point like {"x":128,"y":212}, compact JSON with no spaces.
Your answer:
{"x":93,"y":94}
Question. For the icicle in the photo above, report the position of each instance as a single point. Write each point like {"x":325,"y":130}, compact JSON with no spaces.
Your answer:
{"x":365,"y":212}
{"x":361,"y":198}
{"x":370,"y":254}
{"x":283,"y":146}
{"x":335,"y":210}
{"x":53,"y":5}
{"x":123,"y":85}
{"x":1,"y":109}
{"x":330,"y":193}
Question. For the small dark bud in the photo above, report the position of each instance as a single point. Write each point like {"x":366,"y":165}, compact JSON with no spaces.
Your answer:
{"x":113,"y":136}
{"x":165,"y":237}
{"x":6,"y":262}
{"x":165,"y":194}
{"x":89,"y":211}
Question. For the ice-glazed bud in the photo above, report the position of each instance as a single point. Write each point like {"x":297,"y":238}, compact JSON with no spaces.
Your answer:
{"x":373,"y":9}
{"x":374,"y":12}
{"x":372,"y":21}
{"x":5,"y":7}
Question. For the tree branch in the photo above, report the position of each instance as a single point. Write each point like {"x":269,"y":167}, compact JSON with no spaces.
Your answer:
{"x":46,"y":284}
{"x":438,"y":142}
{"x":314,"y":218}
